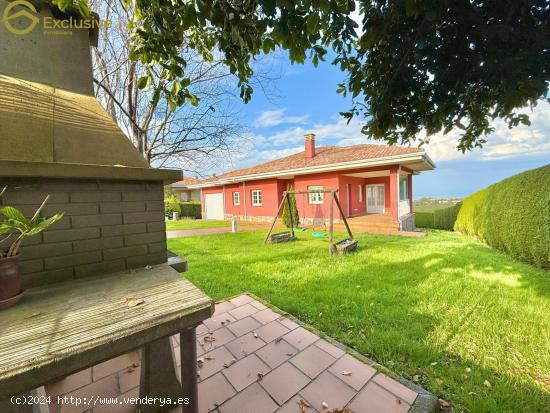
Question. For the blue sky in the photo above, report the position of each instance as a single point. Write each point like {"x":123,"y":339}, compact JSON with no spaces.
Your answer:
{"x":305,"y":101}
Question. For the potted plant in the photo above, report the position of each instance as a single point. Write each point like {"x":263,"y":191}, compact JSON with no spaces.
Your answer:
{"x":15,"y":227}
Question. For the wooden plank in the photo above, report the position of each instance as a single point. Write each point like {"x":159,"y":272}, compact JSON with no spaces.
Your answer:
{"x":343,"y":216}
{"x":62,"y":328}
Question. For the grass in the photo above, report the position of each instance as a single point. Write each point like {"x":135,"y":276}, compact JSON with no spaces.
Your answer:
{"x":196,"y":224}
{"x":427,"y":308}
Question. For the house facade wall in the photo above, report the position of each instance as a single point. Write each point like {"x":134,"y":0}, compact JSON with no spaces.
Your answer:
{"x":108,"y":226}
{"x":329,"y":180}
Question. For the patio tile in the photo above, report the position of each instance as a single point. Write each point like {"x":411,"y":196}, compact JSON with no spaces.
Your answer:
{"x":245,"y":371}
{"x":105,"y":387}
{"x":271,"y":331}
{"x":396,"y":388}
{"x":245,"y":345}
{"x":293,"y":406}
{"x":70,"y":383}
{"x":291,"y":325}
{"x":219,"y":357}
{"x":129,"y":378}
{"x":200,"y":330}
{"x":112,"y":366}
{"x":312,"y":361}
{"x":327,"y":388}
{"x":219,"y":321}
{"x":374,"y":398}
{"x":300,"y":338}
{"x":213,"y":392}
{"x":284,"y":382}
{"x":266,"y":316}
{"x":258,"y":305}
{"x":241,"y":300}
{"x":330,"y":348}
{"x":276,"y":353}
{"x":243,"y":311}
{"x":360,"y":372}
{"x":252,"y":400}
{"x":223,"y":307}
{"x":221,"y":337}
{"x":243,"y":326}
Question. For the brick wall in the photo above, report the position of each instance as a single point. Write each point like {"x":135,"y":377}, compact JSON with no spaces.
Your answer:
{"x":108,"y":226}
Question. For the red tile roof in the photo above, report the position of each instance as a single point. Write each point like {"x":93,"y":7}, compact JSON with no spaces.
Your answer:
{"x":187,"y":180}
{"x":324,"y":155}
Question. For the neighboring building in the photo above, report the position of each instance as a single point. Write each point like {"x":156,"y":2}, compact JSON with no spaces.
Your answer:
{"x":184,"y":193}
{"x":371,"y":179}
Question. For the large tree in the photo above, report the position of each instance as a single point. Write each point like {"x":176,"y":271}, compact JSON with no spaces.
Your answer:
{"x":417,"y":66}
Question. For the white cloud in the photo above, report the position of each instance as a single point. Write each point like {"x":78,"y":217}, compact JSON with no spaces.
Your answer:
{"x":277,"y":117}
{"x":502,"y":143}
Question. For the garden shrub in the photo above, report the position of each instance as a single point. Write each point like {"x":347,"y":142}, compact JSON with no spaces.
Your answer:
{"x":445,"y":218}
{"x":291,"y":212}
{"x":171,"y":205}
{"x":512,"y":215}
{"x":190,"y":210}
{"x":424,"y":219}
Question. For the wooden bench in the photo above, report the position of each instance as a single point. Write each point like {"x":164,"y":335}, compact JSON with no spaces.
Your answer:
{"x":63,"y":328}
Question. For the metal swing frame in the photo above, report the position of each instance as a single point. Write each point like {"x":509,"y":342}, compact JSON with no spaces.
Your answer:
{"x":333,"y":201}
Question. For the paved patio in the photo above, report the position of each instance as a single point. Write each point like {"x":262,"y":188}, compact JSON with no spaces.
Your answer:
{"x":252,"y":359}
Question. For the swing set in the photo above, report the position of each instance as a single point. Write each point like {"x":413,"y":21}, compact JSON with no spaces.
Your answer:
{"x":341,"y":247}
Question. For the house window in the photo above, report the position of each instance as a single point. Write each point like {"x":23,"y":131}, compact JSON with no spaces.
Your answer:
{"x":236,"y":198}
{"x":403,"y":188}
{"x":360,"y":193}
{"x":256,"y":197}
{"x":315,"y":197}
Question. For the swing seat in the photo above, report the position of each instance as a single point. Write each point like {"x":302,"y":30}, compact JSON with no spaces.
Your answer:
{"x":319,"y":234}
{"x":299,"y":229}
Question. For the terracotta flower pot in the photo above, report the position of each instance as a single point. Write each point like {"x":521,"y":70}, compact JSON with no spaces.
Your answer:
{"x":10,"y":281}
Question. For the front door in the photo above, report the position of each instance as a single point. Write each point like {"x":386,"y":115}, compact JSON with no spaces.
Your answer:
{"x":375,"y":199}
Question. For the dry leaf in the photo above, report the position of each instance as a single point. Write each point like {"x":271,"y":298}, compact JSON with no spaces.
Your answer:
{"x":416,"y":378}
{"x":132,"y":302}
{"x":487,"y":384}
{"x":260,"y":376}
{"x":346,"y":373}
{"x":444,"y":403}
{"x":255,"y":334}
{"x":439,"y":381}
{"x":324,"y":405}
{"x":278,"y":339}
{"x":148,"y":267}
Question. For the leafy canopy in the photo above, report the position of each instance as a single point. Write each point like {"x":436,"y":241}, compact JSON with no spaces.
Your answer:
{"x":418,"y":66}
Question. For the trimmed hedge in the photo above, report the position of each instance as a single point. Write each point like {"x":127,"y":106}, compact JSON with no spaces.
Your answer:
{"x":190,"y":210}
{"x":443,"y":218}
{"x":424,"y":219}
{"x":513,"y":216}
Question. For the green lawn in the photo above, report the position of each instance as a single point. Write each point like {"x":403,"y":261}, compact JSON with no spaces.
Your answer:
{"x":196,"y":224}
{"x":427,"y":308}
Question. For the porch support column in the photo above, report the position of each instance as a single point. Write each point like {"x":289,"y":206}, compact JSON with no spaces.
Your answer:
{"x":410,"y":190}
{"x":394,"y":194}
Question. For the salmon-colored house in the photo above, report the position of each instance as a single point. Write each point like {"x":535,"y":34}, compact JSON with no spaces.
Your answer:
{"x":373,"y":181}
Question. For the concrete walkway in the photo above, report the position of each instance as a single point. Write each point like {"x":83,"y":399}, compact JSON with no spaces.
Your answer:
{"x":207,"y":231}
{"x":252,"y":359}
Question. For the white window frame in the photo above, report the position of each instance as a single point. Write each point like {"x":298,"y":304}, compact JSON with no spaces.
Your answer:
{"x":360,"y":193}
{"x":316,"y":198}
{"x":236,"y":198}
{"x":404,"y":179}
{"x":256,"y":197}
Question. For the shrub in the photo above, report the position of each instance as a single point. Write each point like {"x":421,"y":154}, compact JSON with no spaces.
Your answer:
{"x":190,"y":210}
{"x":171,"y":205}
{"x":445,"y":218}
{"x":291,"y":212}
{"x":512,"y":215}
{"x":424,"y":219}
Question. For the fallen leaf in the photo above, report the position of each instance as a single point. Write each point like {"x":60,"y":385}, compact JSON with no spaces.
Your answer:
{"x":444,"y":403}
{"x":346,"y":373}
{"x":416,"y":378}
{"x":260,"y":376}
{"x":324,"y":405}
{"x":433,"y":363}
{"x":439,"y":381}
{"x":278,"y":339}
{"x":255,"y":334}
{"x":148,"y":267}
{"x":487,"y":384}
{"x":132,"y":302}
{"x":468,"y":370}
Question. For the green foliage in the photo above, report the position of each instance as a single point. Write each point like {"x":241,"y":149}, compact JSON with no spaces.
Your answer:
{"x":432,"y":66}
{"x":291,"y":217}
{"x":20,"y":227}
{"x":190,"y":210}
{"x":512,"y":215}
{"x":171,"y":205}
{"x":424,"y":219}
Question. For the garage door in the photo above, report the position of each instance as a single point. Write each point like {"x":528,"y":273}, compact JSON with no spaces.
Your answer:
{"x":214,"y":206}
